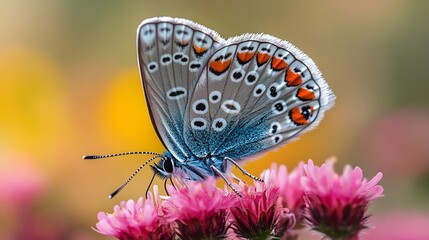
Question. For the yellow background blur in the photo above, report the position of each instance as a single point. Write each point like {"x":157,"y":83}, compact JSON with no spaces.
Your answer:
{"x":69,"y":86}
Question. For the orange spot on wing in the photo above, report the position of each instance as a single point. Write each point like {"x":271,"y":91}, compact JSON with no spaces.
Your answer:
{"x":305,"y":95}
{"x":262,"y":58}
{"x":199,"y":50}
{"x":219,"y":67}
{"x":278,"y":64}
{"x":299,"y":117}
{"x":245,"y":57}
{"x":292,"y":79}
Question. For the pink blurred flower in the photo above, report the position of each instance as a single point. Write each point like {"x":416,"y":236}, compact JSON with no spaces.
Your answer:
{"x":20,"y":184}
{"x":398,"y":143}
{"x":398,"y":226}
{"x":200,"y":210}
{"x":256,"y":215}
{"x":134,"y":220}
{"x":336,"y":205}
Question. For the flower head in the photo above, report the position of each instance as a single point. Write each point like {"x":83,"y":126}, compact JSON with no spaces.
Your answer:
{"x":200,"y":210}
{"x":257,"y":215}
{"x":288,"y":184}
{"x":336,"y":205}
{"x":134,"y":220}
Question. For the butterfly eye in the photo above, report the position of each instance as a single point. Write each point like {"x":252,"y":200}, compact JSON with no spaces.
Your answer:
{"x":168,"y":165}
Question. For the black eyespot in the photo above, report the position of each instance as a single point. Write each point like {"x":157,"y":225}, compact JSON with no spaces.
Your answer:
{"x":273,"y":91}
{"x":166,"y":59}
{"x":215,"y":97}
{"x":297,"y":70}
{"x":178,"y":56}
{"x":258,"y":91}
{"x":309,"y":87}
{"x":306,"y":112}
{"x":176,"y":93}
{"x":168,"y":165}
{"x":184,"y":59}
{"x":237,"y":75}
{"x":152,"y":66}
{"x":247,"y":48}
{"x":195,"y":65}
{"x":277,"y":139}
{"x":199,"y":124}
{"x":230,"y":107}
{"x":279,"y":107}
{"x":251,"y":78}
{"x":219,"y":124}
{"x":200,"y":107}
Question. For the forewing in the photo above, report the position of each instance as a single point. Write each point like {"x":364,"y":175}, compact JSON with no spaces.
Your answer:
{"x":172,"y":53}
{"x":259,"y":92}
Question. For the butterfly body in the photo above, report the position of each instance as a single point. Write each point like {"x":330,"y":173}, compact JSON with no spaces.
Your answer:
{"x":212,"y":99}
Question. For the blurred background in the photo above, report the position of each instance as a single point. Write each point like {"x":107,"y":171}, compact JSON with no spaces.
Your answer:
{"x":69,"y":86}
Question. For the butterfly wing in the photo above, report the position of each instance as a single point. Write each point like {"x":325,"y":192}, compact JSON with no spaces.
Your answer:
{"x":256,"y":93}
{"x":172,"y":53}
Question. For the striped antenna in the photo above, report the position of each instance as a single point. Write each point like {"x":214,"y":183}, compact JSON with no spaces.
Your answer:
{"x":92,"y":157}
{"x":133,"y":175}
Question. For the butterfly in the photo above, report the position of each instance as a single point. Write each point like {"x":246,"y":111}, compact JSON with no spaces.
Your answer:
{"x":215,"y":102}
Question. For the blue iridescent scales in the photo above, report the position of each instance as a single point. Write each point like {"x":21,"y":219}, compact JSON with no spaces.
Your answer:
{"x":211,"y":98}
{"x":216,"y":102}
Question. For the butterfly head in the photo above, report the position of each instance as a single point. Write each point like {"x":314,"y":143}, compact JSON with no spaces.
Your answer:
{"x":166,"y":167}
{"x":194,"y":169}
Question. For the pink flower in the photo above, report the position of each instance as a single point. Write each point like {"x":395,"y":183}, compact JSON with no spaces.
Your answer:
{"x":256,"y":215}
{"x":132,"y":220}
{"x":199,"y":210}
{"x":336,"y":205}
{"x":288,"y":184}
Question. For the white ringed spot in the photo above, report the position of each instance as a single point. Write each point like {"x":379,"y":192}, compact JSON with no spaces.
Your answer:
{"x":279,"y":107}
{"x":166,"y":59}
{"x":180,"y":58}
{"x":251,"y":78}
{"x":276,"y":138}
{"x":219,"y":124}
{"x":176,"y":93}
{"x":215,"y":96}
{"x":273,"y":91}
{"x":231,"y":106}
{"x":200,"y":106}
{"x":152,"y":67}
{"x":194,"y":66}
{"x":275,"y":128}
{"x":237,"y":75}
{"x":198,"y":123}
{"x":259,"y":90}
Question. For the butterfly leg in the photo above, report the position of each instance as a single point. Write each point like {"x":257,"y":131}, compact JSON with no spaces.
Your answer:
{"x":150,"y":184}
{"x":219,"y":173}
{"x":227,"y":159}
